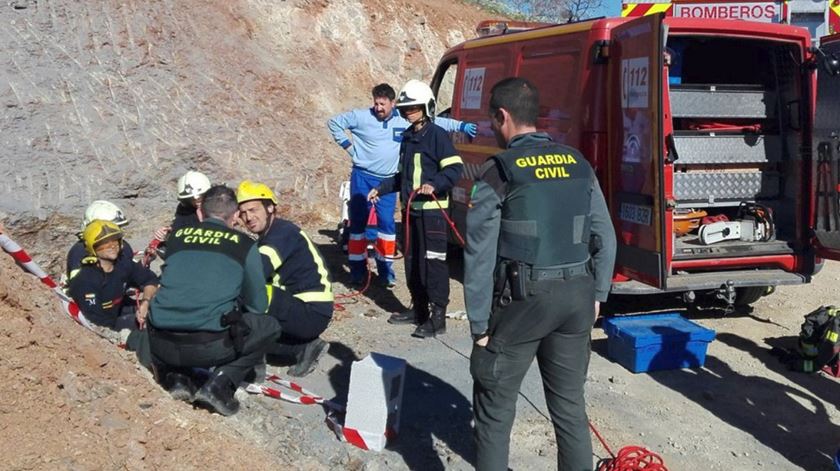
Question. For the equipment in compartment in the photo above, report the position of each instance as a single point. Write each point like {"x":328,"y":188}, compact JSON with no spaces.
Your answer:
{"x":754,"y":224}
{"x":687,"y":221}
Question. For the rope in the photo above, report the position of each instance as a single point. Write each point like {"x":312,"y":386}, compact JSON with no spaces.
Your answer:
{"x":301,"y":396}
{"x":632,"y":458}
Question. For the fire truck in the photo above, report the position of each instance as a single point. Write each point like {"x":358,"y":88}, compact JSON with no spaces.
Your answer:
{"x":821,"y":17}
{"x":716,"y":142}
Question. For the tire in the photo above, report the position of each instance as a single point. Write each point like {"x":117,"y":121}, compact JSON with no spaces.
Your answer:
{"x":750,"y":294}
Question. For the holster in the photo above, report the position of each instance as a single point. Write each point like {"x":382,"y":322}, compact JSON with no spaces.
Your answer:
{"x":237,"y":329}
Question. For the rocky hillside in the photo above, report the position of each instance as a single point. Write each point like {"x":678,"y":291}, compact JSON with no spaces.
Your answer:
{"x":115,"y":100}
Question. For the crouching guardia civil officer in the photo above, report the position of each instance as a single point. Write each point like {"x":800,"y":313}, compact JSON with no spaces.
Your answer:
{"x":209,"y":311}
{"x":299,"y":288}
{"x":537,"y":228}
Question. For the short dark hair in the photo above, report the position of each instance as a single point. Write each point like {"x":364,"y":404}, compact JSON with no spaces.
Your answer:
{"x":383,"y":90}
{"x":219,"y":202}
{"x":519,"y":97}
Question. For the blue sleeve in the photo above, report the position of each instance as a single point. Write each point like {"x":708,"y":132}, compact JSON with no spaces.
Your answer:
{"x":339,"y":124}
{"x":448,"y":124}
{"x":254,"y":296}
{"x":82,"y":285}
{"x":142,"y":276}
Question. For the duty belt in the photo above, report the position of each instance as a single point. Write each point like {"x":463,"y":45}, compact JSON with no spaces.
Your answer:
{"x":559,"y":273}
{"x":192,"y":338}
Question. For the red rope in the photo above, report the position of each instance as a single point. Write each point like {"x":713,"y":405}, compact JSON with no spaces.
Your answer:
{"x":629,"y":458}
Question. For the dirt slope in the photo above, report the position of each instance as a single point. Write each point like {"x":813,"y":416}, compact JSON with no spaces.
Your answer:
{"x":115,"y":100}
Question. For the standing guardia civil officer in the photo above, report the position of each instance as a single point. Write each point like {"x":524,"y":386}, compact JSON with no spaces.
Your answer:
{"x":539,"y":260}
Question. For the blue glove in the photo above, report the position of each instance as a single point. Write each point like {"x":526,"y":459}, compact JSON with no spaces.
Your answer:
{"x":470,"y":129}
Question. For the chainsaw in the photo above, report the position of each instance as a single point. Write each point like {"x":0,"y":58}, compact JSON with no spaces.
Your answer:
{"x":754,"y":224}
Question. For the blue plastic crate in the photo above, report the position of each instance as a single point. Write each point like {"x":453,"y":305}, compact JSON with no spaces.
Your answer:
{"x":656,"y":342}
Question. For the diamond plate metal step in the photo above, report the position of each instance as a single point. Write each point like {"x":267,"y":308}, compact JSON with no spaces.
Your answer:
{"x":721,"y":102}
{"x":714,"y":186}
{"x":729,"y":149}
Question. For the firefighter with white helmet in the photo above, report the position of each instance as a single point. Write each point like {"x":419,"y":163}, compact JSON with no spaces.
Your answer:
{"x":191,"y":188}
{"x":373,"y":144}
{"x":430,"y":167}
{"x":103,"y":210}
{"x":300,"y":293}
{"x":99,"y":285}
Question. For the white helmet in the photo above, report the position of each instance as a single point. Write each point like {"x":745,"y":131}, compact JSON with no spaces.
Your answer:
{"x":192,"y":185}
{"x":416,"y":92}
{"x":106,"y":211}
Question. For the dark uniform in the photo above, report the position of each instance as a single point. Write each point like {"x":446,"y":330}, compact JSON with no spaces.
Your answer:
{"x":212,"y":274}
{"x":78,"y":253}
{"x":426,"y":156}
{"x":537,"y":216}
{"x":185,"y":215}
{"x":101,"y":296}
{"x":299,"y":287}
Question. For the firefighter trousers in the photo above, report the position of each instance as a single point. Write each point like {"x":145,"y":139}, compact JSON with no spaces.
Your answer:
{"x":426,"y":270}
{"x":300,"y":322}
{"x":554,"y":324}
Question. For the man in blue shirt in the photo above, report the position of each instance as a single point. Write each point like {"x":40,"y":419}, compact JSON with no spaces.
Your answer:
{"x":376,"y":136}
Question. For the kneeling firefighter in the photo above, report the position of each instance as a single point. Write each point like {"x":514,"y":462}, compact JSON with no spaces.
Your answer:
{"x":209,"y":311}
{"x":299,"y":287}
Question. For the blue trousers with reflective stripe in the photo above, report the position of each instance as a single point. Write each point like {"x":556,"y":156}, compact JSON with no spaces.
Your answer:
{"x":360,"y":185}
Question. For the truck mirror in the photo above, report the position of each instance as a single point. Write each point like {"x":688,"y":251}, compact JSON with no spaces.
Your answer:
{"x":829,"y":62}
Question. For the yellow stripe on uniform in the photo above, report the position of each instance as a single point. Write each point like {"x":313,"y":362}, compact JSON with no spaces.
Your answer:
{"x":444,"y":203}
{"x":275,"y":260}
{"x":831,"y":336}
{"x":417,"y":175}
{"x":316,"y":296}
{"x":73,"y":274}
{"x":455,"y":159}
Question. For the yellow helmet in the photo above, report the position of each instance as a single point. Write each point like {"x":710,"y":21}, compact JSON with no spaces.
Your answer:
{"x":249,"y":191}
{"x":99,"y":231}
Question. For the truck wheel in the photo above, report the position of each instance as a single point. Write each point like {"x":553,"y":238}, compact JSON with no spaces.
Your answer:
{"x":750,"y":294}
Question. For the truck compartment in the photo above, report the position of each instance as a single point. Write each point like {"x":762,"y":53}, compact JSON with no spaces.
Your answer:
{"x":735,"y":110}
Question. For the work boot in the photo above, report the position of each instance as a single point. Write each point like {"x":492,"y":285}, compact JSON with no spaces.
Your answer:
{"x":257,"y":373}
{"x":180,"y":386}
{"x":418,"y":314}
{"x":434,"y":325}
{"x":217,"y":395}
{"x":308,"y":358}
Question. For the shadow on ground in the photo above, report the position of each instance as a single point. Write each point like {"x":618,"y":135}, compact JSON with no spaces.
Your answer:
{"x":435,"y":415}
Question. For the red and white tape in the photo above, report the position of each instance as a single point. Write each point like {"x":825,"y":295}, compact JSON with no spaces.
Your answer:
{"x":69,"y":306}
{"x":301,"y":396}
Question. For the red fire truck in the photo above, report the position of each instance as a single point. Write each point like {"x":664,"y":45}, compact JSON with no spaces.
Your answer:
{"x":715,"y":142}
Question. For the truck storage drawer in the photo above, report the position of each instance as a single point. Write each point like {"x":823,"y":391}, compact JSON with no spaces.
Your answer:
{"x":721,"y":102}
{"x":727,"y":149}
{"x":716,"y":186}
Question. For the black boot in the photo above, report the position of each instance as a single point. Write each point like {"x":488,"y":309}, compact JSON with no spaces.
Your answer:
{"x":217,"y":395}
{"x":180,"y":386}
{"x":434,"y":325}
{"x":417,"y":315}
{"x":308,"y":358}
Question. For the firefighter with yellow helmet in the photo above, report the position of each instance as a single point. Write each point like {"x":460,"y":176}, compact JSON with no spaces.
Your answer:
{"x":106,"y":211}
{"x":100,"y":284}
{"x":299,"y":286}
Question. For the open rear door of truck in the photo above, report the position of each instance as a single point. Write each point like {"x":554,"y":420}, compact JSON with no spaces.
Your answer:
{"x":826,"y":149}
{"x":635,"y":173}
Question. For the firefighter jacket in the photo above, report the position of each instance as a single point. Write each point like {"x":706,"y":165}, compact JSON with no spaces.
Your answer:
{"x":819,"y":340}
{"x":185,"y":215}
{"x":101,"y":295}
{"x":376,"y":144}
{"x":537,"y":202}
{"x":292,"y":263}
{"x":426,"y":156}
{"x":210,"y":270}
{"x":78,"y":252}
